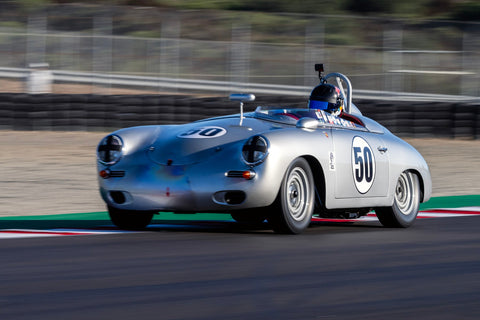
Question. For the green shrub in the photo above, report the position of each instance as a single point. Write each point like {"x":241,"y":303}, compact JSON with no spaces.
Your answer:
{"x":467,"y":11}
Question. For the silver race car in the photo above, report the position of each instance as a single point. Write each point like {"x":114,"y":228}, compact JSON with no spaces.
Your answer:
{"x":279,"y":164}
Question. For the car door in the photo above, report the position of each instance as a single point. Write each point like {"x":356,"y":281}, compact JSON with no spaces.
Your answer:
{"x":362,"y":163}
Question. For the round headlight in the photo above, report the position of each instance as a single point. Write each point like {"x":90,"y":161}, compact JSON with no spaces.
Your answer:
{"x":110,"y":149}
{"x":255,"y":150}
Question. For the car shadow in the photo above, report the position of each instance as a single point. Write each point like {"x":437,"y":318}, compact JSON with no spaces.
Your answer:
{"x":236,"y":227}
{"x":48,"y":224}
{"x":159,"y":225}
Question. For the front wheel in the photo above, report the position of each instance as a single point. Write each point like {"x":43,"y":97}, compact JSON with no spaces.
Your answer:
{"x":130,"y":220}
{"x":406,"y":202}
{"x":292,"y":210}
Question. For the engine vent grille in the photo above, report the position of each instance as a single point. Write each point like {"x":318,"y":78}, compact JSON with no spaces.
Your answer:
{"x":117,"y":174}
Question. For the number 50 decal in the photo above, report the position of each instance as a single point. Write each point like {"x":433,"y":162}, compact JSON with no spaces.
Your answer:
{"x":363,"y":165}
{"x":203,"y":132}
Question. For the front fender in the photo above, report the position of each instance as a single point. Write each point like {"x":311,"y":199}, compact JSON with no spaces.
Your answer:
{"x":289,"y":144}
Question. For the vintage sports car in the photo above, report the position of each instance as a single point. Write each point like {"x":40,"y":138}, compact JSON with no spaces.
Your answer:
{"x":279,"y":164}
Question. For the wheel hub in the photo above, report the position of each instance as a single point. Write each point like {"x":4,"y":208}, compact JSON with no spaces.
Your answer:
{"x":404,"y":194}
{"x":297,"y":194}
{"x":293,"y":193}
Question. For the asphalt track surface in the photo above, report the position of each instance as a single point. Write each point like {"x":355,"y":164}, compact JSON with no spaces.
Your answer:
{"x":183,"y":270}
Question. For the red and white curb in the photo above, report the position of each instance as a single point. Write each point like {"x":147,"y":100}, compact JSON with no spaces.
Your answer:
{"x":31,"y":233}
{"x":445,"y":213}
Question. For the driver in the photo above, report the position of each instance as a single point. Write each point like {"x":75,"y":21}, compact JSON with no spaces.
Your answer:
{"x":326,"y":97}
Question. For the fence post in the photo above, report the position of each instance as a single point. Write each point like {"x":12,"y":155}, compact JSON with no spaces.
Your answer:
{"x":170,"y":48}
{"x":240,"y":57}
{"x":36,"y":37}
{"x":314,"y":52}
{"x":102,"y":48}
{"x":392,"y":57}
{"x":470,"y":49}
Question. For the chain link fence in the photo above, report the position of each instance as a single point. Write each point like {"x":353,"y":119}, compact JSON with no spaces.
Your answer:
{"x":240,"y":48}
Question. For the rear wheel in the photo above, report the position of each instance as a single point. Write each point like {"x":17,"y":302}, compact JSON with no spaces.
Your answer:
{"x":404,"y":210}
{"x":130,"y":220}
{"x":292,"y":210}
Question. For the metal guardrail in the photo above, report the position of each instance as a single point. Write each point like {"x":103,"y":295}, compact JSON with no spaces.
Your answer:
{"x":219,"y":86}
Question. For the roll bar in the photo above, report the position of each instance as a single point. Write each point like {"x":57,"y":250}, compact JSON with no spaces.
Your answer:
{"x":338,"y":79}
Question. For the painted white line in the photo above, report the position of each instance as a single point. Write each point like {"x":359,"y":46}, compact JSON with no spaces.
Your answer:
{"x":8,"y":235}
{"x":477,"y":209}
{"x":441,"y":215}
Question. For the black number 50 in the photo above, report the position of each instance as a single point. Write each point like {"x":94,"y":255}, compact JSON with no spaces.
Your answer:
{"x":364,"y":161}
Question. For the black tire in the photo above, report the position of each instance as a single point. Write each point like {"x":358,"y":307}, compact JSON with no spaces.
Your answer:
{"x":292,"y":211}
{"x":404,"y":210}
{"x":130,"y":220}
{"x":251,"y":217}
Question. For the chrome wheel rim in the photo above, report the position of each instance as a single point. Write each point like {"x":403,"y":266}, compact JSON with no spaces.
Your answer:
{"x":405,"y":194}
{"x":298,"y":191}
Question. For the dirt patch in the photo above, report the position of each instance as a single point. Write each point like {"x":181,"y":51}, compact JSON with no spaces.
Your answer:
{"x":454,"y":165}
{"x":48,"y":172}
{"x":55,"y":172}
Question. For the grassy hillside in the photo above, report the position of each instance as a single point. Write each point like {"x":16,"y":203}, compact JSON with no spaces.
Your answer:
{"x":463,"y":10}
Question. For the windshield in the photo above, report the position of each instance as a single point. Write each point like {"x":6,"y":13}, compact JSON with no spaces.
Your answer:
{"x":292,"y":115}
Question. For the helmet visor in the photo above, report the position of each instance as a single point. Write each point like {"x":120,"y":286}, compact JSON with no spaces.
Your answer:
{"x":315,"y":104}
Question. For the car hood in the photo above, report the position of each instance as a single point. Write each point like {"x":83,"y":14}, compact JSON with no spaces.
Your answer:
{"x":198,"y":141}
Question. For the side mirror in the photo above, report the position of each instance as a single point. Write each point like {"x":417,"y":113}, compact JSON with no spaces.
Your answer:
{"x":242,"y":97}
{"x":307,"y":123}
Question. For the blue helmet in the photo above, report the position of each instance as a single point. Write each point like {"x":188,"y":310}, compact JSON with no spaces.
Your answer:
{"x":325,"y":97}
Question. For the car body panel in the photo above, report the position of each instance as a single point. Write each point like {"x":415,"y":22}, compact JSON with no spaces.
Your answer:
{"x":184,"y":168}
{"x":375,"y":169}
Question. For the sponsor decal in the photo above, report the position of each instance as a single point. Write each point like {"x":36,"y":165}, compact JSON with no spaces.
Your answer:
{"x":331,"y":159}
{"x":321,"y":116}
{"x":334,"y":120}
{"x":204,"y":132}
{"x":363,"y":165}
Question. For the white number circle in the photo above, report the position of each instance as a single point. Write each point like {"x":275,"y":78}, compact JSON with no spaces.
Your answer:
{"x":203,"y":132}
{"x":363,"y":165}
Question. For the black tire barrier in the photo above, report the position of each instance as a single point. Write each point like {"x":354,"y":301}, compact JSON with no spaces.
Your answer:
{"x":89,"y":112}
